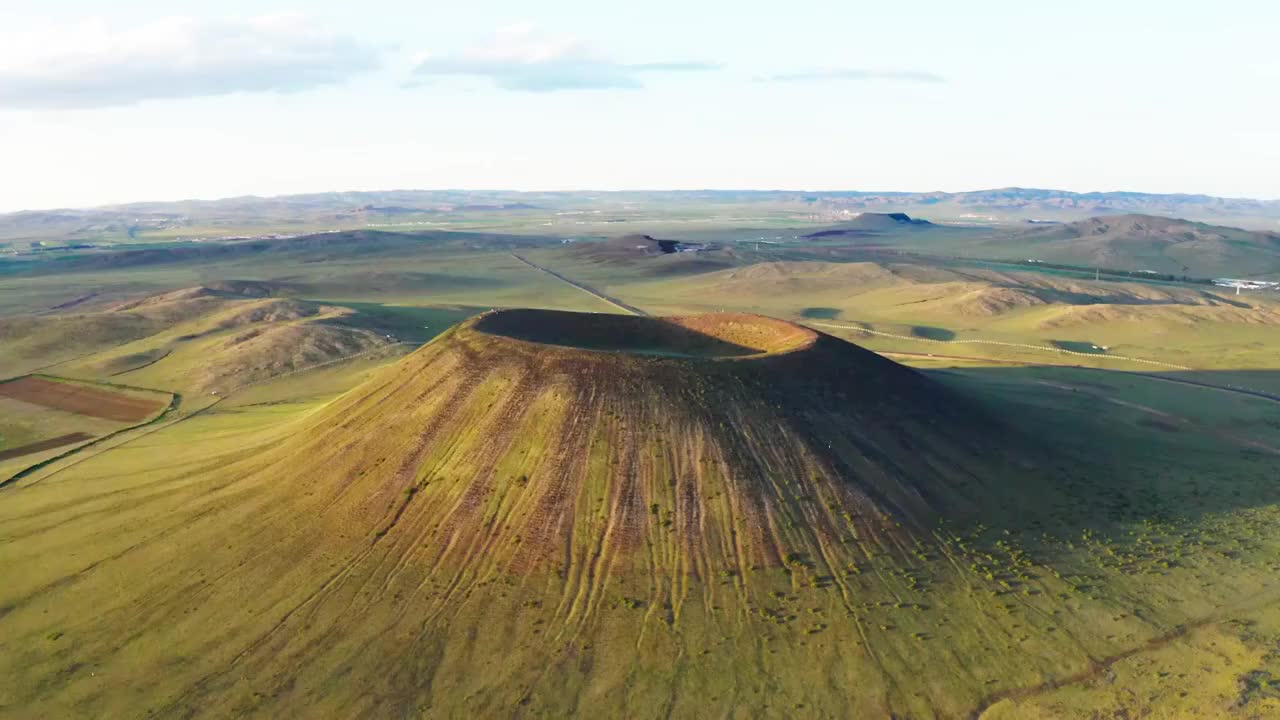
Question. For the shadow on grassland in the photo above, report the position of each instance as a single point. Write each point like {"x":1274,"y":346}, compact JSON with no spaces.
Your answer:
{"x":820,"y":313}
{"x":933,"y":333}
{"x":1121,"y":448}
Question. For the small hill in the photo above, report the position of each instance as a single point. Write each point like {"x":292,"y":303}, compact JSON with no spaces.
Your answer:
{"x":971,"y":300}
{"x":870,"y":224}
{"x":807,"y":283}
{"x":164,"y":298}
{"x":630,"y":247}
{"x":244,"y":340}
{"x":255,"y":288}
{"x":649,"y":255}
{"x":267,"y":311}
{"x":28,"y":342}
{"x":243,"y":305}
{"x":220,"y":336}
{"x":852,"y":277}
{"x":31,"y":341}
{"x":1145,"y":242}
{"x":956,"y":297}
{"x":261,"y":353}
{"x":1163,"y":229}
{"x":1156,"y":316}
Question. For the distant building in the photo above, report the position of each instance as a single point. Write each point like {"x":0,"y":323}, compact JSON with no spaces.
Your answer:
{"x":1246,"y":284}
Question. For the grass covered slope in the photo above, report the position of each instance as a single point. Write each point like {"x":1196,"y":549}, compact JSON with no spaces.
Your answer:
{"x":557,"y":440}
{"x":767,"y":522}
{"x":1184,"y":325}
{"x":499,"y":524}
{"x":193,"y":340}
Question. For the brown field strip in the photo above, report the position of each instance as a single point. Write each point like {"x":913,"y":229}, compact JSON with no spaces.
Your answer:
{"x":81,"y":399}
{"x":43,"y":445}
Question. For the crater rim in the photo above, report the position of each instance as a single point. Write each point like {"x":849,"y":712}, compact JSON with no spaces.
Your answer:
{"x":718,"y":336}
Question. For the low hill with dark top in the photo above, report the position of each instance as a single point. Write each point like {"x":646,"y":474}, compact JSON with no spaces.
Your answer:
{"x":634,"y":246}
{"x":872,"y":224}
{"x":650,"y":255}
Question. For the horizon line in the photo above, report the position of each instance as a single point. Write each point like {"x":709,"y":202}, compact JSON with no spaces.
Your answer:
{"x":576,"y":191}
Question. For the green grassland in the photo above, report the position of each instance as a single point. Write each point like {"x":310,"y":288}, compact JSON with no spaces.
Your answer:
{"x":1180,"y":326}
{"x":1171,"y":529}
{"x":1128,"y":570}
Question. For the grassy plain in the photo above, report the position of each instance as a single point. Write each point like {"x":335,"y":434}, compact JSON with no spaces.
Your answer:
{"x":1128,"y":570}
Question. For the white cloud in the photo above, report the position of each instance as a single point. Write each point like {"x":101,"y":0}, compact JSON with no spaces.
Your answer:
{"x":523,"y":58}
{"x":855,"y":74}
{"x":95,"y":65}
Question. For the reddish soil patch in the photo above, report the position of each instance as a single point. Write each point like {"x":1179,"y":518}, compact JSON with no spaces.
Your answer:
{"x":43,"y":445}
{"x":81,"y":399}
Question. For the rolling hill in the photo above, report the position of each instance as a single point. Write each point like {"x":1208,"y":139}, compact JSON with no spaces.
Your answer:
{"x":1144,"y":242}
{"x":314,"y":248}
{"x":198,"y":339}
{"x":1158,"y":321}
{"x":645,"y":255}
{"x":872,"y":289}
{"x":871,"y":224}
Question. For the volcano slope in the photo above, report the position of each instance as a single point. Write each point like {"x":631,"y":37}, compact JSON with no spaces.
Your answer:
{"x":543,"y":514}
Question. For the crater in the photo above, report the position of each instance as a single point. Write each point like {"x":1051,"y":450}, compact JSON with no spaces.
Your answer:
{"x":709,"y":336}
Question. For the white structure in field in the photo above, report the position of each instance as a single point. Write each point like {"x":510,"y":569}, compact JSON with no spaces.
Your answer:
{"x":1246,"y":284}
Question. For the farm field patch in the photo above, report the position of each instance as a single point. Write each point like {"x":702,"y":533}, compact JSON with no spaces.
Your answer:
{"x":82,"y":399}
{"x":42,"y":445}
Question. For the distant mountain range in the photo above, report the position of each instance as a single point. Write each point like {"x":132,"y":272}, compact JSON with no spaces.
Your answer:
{"x":1094,"y":202}
{"x":299,"y":214}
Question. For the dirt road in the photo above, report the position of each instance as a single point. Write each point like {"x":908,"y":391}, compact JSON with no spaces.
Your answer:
{"x":584,"y":288}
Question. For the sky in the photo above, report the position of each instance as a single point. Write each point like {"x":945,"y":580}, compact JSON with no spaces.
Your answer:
{"x":161,"y":100}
